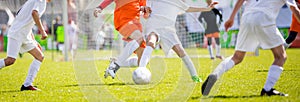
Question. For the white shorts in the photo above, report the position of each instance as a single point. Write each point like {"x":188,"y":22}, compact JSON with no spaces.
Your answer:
{"x":14,"y":47}
{"x":257,"y":30}
{"x":167,"y":38}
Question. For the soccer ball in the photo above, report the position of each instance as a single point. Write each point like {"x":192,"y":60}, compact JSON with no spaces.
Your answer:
{"x":141,"y":76}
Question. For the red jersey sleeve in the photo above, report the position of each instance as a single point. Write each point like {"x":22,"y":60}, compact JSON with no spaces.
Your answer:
{"x":105,"y":3}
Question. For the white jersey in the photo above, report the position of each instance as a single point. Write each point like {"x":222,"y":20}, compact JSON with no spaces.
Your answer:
{"x":23,"y":23}
{"x":269,"y":7}
{"x":164,"y":12}
{"x":258,"y":25}
{"x":162,"y":21}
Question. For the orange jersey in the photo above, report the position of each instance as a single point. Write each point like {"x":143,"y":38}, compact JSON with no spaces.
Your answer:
{"x":295,"y":25}
{"x":125,"y":10}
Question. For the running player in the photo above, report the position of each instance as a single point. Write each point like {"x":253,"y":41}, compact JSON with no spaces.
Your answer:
{"x":21,"y":39}
{"x":127,"y":22}
{"x":212,"y":30}
{"x":258,"y":28}
{"x":160,"y":27}
{"x":294,"y":29}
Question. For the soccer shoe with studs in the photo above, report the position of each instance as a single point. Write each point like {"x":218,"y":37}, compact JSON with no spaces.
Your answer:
{"x":272,"y":92}
{"x":196,"y":79}
{"x":112,"y":69}
{"x":208,"y":84}
{"x":32,"y":88}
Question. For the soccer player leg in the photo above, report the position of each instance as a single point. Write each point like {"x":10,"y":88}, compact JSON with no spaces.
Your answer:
{"x":151,"y":42}
{"x":131,"y":46}
{"x":209,"y":46}
{"x":274,"y":73}
{"x":218,"y":46}
{"x":13,"y":48}
{"x":224,"y":66}
{"x":132,"y":33}
{"x":130,"y":62}
{"x":35,"y":50}
{"x":187,"y":62}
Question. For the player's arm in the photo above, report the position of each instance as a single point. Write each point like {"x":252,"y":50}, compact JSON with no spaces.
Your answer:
{"x":103,"y":5}
{"x":195,"y":9}
{"x":36,"y":19}
{"x":296,"y":12}
{"x":145,"y":9}
{"x":236,"y":8}
{"x":200,"y":18}
{"x":295,"y":9}
{"x":217,"y":12}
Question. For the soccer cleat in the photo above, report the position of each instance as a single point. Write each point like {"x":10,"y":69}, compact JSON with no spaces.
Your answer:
{"x":271,"y":93}
{"x":32,"y":88}
{"x":212,"y":58}
{"x":208,"y":84}
{"x":196,"y":79}
{"x":112,"y":69}
{"x":220,"y":57}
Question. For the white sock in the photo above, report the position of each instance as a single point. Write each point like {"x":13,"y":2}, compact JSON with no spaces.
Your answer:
{"x":273,"y":76}
{"x":218,"y":50}
{"x":33,"y":69}
{"x":146,"y":56}
{"x":127,"y":51}
{"x":210,"y":50}
{"x":130,"y":62}
{"x":2,"y":63}
{"x":224,"y":66}
{"x":189,"y":65}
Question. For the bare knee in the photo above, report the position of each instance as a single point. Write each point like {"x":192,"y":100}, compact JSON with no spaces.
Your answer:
{"x":9,"y":61}
{"x":137,"y":35}
{"x":238,"y":57}
{"x":152,"y":44}
{"x":151,"y":40}
{"x":280,"y":59}
{"x":179,"y":50}
{"x":41,"y":58}
{"x":280,"y":55}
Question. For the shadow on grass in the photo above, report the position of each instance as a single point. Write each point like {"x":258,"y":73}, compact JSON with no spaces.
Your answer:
{"x":111,"y":84}
{"x":223,"y":96}
{"x":268,"y":70}
{"x":10,"y":91}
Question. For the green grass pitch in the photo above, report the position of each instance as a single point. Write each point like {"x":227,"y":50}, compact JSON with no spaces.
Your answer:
{"x":81,"y":79}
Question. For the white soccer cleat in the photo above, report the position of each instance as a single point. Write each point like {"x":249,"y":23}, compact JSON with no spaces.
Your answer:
{"x":112,"y":69}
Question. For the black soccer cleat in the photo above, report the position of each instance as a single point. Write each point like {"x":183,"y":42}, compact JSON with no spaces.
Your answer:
{"x":208,"y":84}
{"x":32,"y":88}
{"x":271,"y":93}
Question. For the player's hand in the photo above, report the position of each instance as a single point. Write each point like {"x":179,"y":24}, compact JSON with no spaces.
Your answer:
{"x":212,"y":5}
{"x":44,"y":35}
{"x":228,"y":24}
{"x":146,"y":10}
{"x":97,"y":11}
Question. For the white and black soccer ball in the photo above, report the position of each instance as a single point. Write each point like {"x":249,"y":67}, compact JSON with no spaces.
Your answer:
{"x":141,"y":75}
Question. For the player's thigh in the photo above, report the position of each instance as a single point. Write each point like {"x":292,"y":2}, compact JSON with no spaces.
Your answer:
{"x":269,"y":37}
{"x":37,"y":53}
{"x":132,"y":29}
{"x":13,"y":47}
{"x":168,"y":39}
{"x":246,"y":40}
{"x":33,"y":48}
